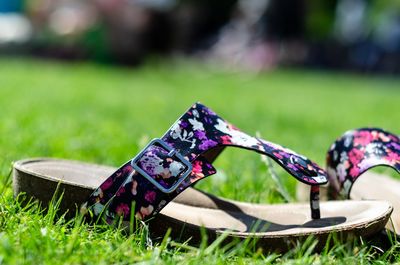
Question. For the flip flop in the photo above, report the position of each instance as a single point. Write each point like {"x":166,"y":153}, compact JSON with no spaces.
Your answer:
{"x":146,"y":186}
{"x":353,"y":155}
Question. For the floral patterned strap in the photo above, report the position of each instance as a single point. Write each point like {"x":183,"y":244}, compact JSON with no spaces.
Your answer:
{"x":356,"y":152}
{"x":167,"y":166}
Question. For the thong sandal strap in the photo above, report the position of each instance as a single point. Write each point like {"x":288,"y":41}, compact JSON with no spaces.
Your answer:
{"x":167,"y":166}
{"x":356,"y":152}
{"x":314,"y":202}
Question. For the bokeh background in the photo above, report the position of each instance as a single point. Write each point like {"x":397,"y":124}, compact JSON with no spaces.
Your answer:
{"x":356,"y":35}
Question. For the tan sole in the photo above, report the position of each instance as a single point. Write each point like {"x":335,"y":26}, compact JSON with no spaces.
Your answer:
{"x":273,"y":226}
{"x":369,"y":186}
{"x":373,"y":186}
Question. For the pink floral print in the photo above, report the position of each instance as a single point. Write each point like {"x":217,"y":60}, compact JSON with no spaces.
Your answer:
{"x":356,"y":152}
{"x":122,"y":209}
{"x":196,"y":132}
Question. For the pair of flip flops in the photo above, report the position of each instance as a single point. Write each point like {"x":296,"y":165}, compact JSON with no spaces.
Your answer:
{"x":156,"y":186}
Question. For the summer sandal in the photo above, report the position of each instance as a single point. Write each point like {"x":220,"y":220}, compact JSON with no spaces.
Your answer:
{"x":350,"y":157}
{"x":145,"y":186}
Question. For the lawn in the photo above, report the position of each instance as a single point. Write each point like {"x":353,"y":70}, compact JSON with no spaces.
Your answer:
{"x":105,"y":114}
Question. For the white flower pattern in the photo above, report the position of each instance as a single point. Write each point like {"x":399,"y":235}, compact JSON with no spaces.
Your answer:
{"x":197,"y":126}
{"x":204,"y":130}
{"x":355,"y":152}
{"x":238,"y":137}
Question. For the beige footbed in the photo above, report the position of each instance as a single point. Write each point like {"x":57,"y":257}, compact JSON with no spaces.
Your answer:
{"x":369,"y":186}
{"x":272,"y":224}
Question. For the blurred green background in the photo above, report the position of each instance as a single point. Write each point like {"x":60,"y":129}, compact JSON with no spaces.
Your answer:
{"x":256,"y":35}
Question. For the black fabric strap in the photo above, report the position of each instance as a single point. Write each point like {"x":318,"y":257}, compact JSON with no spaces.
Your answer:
{"x":167,"y":166}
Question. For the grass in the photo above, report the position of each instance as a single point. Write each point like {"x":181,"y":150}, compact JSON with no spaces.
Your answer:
{"x":105,"y":114}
